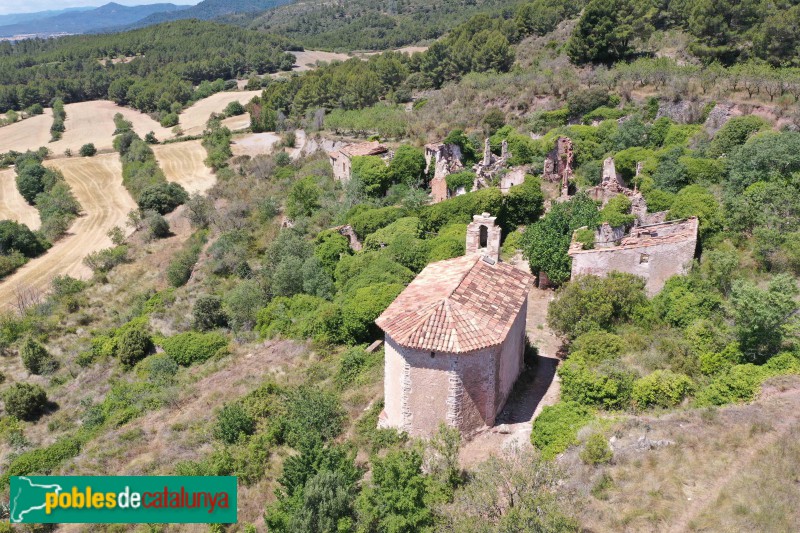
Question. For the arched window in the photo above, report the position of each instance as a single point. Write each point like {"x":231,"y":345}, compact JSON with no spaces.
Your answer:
{"x":483,"y":238}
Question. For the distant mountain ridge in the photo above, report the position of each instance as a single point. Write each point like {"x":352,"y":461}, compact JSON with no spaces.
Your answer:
{"x":16,"y":18}
{"x":85,"y":21}
{"x":207,"y":10}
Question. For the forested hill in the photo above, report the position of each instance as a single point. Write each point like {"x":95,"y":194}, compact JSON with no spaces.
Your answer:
{"x":211,"y":10}
{"x":168,"y":60}
{"x":110,"y":14}
{"x":369,"y":25}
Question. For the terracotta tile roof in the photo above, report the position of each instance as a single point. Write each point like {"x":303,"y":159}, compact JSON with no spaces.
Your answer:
{"x":367,"y":148}
{"x":458,"y":305}
{"x":650,"y":235}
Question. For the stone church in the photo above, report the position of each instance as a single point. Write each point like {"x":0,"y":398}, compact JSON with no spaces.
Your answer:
{"x":455,"y":339}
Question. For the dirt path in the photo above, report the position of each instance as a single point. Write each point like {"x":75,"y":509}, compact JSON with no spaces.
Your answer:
{"x":12,"y":205}
{"x":183,"y":163}
{"x":534,"y":390}
{"x":704,"y":496}
{"x":96,"y":183}
{"x":28,"y":134}
{"x":193,"y":119}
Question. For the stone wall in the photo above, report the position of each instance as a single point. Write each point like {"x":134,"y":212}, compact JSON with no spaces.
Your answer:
{"x":491,"y":247}
{"x":341,"y":168}
{"x":656,"y":263}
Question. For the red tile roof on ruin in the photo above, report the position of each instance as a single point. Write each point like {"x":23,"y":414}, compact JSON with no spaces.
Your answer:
{"x":672,"y":231}
{"x":361,"y":149}
{"x":457,"y":306}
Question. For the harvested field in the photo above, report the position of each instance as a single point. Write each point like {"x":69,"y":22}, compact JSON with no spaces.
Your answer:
{"x":12,"y":205}
{"x":93,"y":122}
{"x":28,"y":134}
{"x":97,"y":185}
{"x":241,"y":122}
{"x":193,"y":119}
{"x":307,"y":60}
{"x":183,"y":163}
{"x":254,"y":144}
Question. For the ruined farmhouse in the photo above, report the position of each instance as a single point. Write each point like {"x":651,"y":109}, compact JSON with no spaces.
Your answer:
{"x":455,"y":339}
{"x":655,"y":252}
{"x":342,"y":159}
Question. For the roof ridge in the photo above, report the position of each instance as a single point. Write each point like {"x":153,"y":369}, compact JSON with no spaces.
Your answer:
{"x":466,"y":273}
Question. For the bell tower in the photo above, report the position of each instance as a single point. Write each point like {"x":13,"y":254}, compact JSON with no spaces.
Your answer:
{"x":483,"y":237}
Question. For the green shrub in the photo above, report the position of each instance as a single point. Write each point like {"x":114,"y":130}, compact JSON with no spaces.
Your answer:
{"x":102,"y":261}
{"x":662,"y":388}
{"x":311,"y":415}
{"x":556,"y":428}
{"x":42,"y":460}
{"x":25,"y":401}
{"x":605,"y":385}
{"x":617,"y":211}
{"x":133,"y":345}
{"x":369,"y":221}
{"x":598,"y":346}
{"x":159,"y":368}
{"x":734,"y":133}
{"x":702,"y":170}
{"x":360,"y":310}
{"x":208,"y":314}
{"x":87,"y":150}
{"x":36,"y":358}
{"x":465,"y":179}
{"x":192,"y":347}
{"x":715,"y":362}
{"x":352,"y":363}
{"x":461,"y":209}
{"x":740,"y":383}
{"x":169,"y":120}
{"x":596,"y":451}
{"x":232,"y":423}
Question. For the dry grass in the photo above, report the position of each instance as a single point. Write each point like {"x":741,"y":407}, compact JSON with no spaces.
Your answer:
{"x":12,"y":205}
{"x":183,"y":163}
{"x":193,"y":119}
{"x":28,"y":134}
{"x":97,"y":185}
{"x":254,"y":144}
{"x":728,"y":469}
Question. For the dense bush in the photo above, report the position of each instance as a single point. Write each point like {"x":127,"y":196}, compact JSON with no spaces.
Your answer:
{"x":590,"y":303}
{"x":47,"y":190}
{"x":207,"y":313}
{"x":735,"y":133}
{"x":556,"y":428}
{"x":522,"y":205}
{"x":217,"y":142}
{"x":312,"y":415}
{"x":191,"y":347}
{"x":461,"y":209}
{"x":36,"y":358}
{"x":662,"y":388}
{"x":162,"y":197}
{"x":598,"y":346}
{"x":133,"y":345}
{"x":25,"y":401}
{"x":87,"y":150}
{"x":361,"y":309}
{"x":607,"y":385}
{"x":233,"y":423}
{"x":42,"y":460}
{"x":104,"y":260}
{"x":369,"y":221}
{"x":17,"y":237}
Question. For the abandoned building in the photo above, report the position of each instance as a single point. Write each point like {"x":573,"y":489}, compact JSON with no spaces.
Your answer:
{"x":341,"y":159}
{"x":612,"y":185}
{"x":655,"y":252}
{"x":455,"y":339}
{"x":446,"y":160}
{"x":558,"y":164}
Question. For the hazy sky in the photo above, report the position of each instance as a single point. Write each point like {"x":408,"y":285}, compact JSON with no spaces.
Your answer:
{"x":28,"y":6}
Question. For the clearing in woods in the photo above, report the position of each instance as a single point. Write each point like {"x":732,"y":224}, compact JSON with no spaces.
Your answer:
{"x":96,"y":183}
{"x":12,"y":205}
{"x":193,"y":119}
{"x":254,"y":144}
{"x":183,"y":163}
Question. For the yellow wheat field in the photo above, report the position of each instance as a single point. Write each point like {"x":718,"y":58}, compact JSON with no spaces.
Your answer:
{"x":28,"y":134}
{"x":96,"y":183}
{"x":183,"y":163}
{"x":12,"y":205}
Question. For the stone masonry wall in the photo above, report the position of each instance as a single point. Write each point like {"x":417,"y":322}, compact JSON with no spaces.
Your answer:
{"x":654,"y":263}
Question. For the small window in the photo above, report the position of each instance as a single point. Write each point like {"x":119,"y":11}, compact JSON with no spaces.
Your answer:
{"x":644,"y":258}
{"x":433,"y":354}
{"x":484,"y":237}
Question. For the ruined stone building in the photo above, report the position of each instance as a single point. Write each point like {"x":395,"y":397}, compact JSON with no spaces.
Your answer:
{"x":341,"y":159}
{"x":612,"y":185}
{"x":558,"y":164}
{"x":455,"y":339}
{"x":446,"y":160}
{"x":655,"y":252}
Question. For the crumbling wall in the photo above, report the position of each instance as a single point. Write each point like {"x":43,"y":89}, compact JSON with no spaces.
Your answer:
{"x":558,"y":165}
